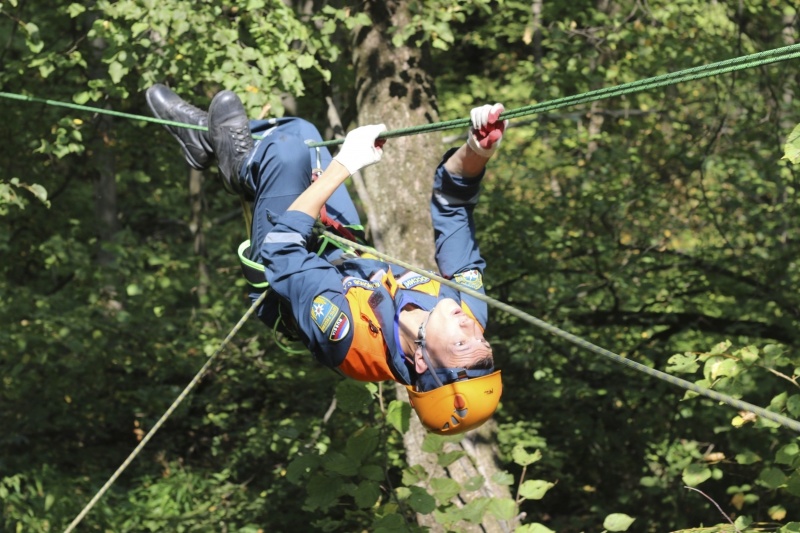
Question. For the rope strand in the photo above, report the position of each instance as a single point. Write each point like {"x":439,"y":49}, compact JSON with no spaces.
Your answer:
{"x":166,"y":415}
{"x":704,"y":71}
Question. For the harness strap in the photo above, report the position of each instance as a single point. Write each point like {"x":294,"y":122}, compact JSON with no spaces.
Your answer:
{"x":253,"y":272}
{"x":337,"y":226}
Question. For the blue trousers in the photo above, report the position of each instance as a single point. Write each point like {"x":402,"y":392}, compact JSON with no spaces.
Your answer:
{"x":279,"y":170}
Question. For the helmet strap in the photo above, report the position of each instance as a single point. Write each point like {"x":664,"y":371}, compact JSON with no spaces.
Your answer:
{"x":420,"y":341}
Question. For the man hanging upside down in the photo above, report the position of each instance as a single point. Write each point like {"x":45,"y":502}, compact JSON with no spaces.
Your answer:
{"x":371,"y":320}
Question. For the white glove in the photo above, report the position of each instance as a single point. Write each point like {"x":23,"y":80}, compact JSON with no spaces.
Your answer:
{"x":487,"y":131}
{"x":361,"y":148}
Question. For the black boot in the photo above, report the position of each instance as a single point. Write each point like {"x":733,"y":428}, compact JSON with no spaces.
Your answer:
{"x":167,"y":105}
{"x":229,"y":130}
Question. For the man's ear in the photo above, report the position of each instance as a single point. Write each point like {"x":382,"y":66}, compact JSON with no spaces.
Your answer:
{"x":419,"y":362}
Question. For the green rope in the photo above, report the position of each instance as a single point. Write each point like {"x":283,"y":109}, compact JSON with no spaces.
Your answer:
{"x":166,"y":415}
{"x":583,"y":343}
{"x":712,"y":69}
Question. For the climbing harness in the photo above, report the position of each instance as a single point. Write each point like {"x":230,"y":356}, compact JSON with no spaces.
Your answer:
{"x":255,"y":273}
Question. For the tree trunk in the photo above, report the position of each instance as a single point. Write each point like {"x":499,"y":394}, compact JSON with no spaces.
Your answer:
{"x":394,"y":88}
{"x":105,"y":184}
{"x":197,"y":207}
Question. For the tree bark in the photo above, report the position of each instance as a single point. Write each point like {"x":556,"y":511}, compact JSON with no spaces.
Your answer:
{"x":197,"y":207}
{"x":105,"y":184}
{"x":394,"y":87}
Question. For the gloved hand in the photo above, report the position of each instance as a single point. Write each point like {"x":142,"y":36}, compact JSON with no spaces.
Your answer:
{"x":487,"y":131}
{"x":361,"y":148}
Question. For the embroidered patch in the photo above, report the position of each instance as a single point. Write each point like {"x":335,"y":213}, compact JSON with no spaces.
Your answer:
{"x":470,"y":278}
{"x":323,"y":312}
{"x":340,"y":328}
{"x":413,"y":282}
{"x":358,"y":282}
{"x":375,"y":299}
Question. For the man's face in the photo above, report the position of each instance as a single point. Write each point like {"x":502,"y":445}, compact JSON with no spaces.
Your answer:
{"x":453,"y":338}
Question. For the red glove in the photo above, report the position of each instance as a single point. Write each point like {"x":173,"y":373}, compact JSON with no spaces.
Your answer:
{"x":487,"y":131}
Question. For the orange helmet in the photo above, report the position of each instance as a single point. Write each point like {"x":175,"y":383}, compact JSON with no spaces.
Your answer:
{"x":458,"y":406}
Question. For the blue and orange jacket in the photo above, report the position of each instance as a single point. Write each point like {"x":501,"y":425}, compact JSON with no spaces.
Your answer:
{"x":347,"y":314}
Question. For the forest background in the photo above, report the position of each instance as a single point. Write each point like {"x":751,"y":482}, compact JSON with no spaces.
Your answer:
{"x":662,"y":225}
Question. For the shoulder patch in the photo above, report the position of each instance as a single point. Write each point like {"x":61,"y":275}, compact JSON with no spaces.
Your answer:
{"x":413,"y":282}
{"x":350,"y":282}
{"x":323,"y":312}
{"x":340,"y":328}
{"x":469,"y":278}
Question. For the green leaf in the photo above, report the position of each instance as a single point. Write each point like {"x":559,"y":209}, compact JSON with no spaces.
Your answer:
{"x":399,"y":415}
{"x":721,"y":348}
{"x":788,"y":454}
{"x":695,"y":474}
{"x":305,"y":61}
{"x":747,"y":458}
{"x":323,"y":491}
{"x":474,"y":510}
{"x":791,"y":527}
{"x":421,"y":501}
{"x":367,"y":494}
{"x":444,"y":489}
{"x":133,"y":290}
{"x":448,"y":458}
{"x":414,"y":474}
{"x":791,"y":150}
{"x":117,"y":70}
{"x":720,"y":367}
{"x":793,"y":404}
{"x":362,"y":443}
{"x":618,"y":522}
{"x":749,"y":354}
{"x":391,"y":523}
{"x":341,"y":464}
{"x":139,"y":28}
{"x":502,"y":508}
{"x":433,"y":443}
{"x":352,"y":396}
{"x":75,"y":9}
{"x":48,"y":502}
{"x":39,"y":191}
{"x":522,"y":457}
{"x":772,"y":478}
{"x":793,"y":484}
{"x":373,"y":472}
{"x":682,"y":363}
{"x":474,"y":483}
{"x":301,"y":466}
{"x":534,"y":489}
{"x":503,"y":478}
